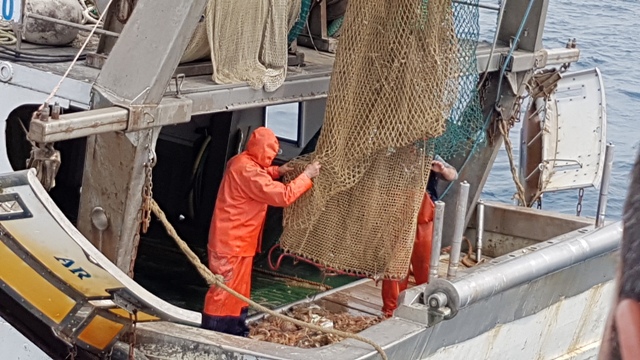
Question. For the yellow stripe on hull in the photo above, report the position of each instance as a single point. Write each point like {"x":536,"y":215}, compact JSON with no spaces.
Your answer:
{"x":32,"y":287}
{"x":142,"y":317}
{"x":100,"y":332}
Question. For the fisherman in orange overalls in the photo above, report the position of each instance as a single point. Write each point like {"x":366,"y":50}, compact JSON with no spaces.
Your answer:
{"x":421,"y":254}
{"x":247,"y":188}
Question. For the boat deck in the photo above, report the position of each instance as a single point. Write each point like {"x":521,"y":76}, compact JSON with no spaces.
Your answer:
{"x":359,"y":297}
{"x":365,"y":296}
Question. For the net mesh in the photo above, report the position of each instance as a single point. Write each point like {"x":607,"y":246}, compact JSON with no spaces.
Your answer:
{"x":247,"y":41}
{"x":465,"y":120}
{"x":395,"y":81}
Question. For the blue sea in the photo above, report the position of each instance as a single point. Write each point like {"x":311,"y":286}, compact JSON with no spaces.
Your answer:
{"x":605,"y":35}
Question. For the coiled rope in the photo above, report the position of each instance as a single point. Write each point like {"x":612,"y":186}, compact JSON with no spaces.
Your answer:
{"x":7,"y":37}
{"x":217,"y":280}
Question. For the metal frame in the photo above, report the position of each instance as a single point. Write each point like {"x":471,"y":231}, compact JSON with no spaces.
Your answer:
{"x":23,"y":214}
{"x":297,"y":88}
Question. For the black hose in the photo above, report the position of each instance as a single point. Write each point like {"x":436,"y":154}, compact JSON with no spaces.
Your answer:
{"x":35,"y":61}
{"x":27,"y":53}
{"x":19,"y":57}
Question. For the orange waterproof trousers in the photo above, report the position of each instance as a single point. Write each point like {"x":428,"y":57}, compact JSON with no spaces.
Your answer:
{"x":420,"y":258}
{"x":236,"y":271}
{"x":222,"y":311}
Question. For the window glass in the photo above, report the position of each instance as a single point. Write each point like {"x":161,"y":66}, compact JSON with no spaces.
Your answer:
{"x":283,"y":120}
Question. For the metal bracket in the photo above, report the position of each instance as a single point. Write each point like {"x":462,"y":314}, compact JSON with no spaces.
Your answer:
{"x":170,"y":111}
{"x":512,"y":78}
{"x":128,"y":118}
{"x":438,"y":315}
{"x":540,"y":59}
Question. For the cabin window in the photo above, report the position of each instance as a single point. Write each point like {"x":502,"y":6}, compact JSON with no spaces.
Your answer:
{"x":284,"y":120}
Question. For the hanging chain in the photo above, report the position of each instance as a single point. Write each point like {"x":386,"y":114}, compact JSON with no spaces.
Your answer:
{"x":73,"y":352}
{"x":539,"y":203}
{"x":147,"y":189}
{"x":482,"y":93}
{"x":43,"y":156}
{"x":133,"y":335}
{"x":579,"y":206}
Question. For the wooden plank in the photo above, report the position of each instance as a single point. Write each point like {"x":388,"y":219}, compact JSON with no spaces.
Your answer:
{"x":354,"y":304}
{"x":364,"y":298}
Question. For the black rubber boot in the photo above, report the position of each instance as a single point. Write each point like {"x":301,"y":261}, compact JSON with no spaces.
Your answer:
{"x":233,"y":325}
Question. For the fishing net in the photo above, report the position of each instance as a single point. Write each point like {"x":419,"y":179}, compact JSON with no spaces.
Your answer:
{"x":247,"y":41}
{"x":465,"y":121}
{"x":394,"y":84}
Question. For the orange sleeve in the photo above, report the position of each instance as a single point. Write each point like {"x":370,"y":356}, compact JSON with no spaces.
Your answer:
{"x":274,"y":172}
{"x":261,"y":187}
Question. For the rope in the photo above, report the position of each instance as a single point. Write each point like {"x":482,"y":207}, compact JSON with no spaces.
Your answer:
{"x":504,"y":130}
{"x":84,"y":45}
{"x":218,"y":280}
{"x":7,"y":37}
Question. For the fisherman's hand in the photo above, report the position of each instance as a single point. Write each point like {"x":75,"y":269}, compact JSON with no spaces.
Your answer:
{"x":447,"y":172}
{"x":312,"y":170}
{"x":437,"y":166}
{"x":282,"y":170}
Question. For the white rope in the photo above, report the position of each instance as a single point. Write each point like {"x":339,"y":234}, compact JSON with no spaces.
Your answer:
{"x":84,"y":45}
{"x":7,"y":37}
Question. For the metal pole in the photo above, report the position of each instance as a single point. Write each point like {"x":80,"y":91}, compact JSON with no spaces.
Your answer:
{"x":458,"y":231}
{"x":72,"y":24}
{"x":604,"y":185}
{"x":436,"y":243}
{"x":480,"y":230}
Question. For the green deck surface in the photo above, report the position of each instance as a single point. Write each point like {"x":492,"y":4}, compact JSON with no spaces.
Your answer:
{"x":163,"y":270}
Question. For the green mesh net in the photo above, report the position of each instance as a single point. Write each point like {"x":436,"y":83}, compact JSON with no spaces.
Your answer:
{"x":465,"y":119}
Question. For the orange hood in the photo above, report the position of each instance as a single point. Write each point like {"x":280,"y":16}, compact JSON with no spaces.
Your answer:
{"x":263,"y":146}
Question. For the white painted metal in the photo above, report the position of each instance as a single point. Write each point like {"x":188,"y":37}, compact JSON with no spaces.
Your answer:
{"x":28,"y":86}
{"x":568,"y":330}
{"x":574,"y":133}
{"x":12,"y":10}
{"x":15,"y":346}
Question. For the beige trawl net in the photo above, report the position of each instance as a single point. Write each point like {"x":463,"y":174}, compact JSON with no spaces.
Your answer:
{"x":246,"y":39}
{"x":393,"y":85}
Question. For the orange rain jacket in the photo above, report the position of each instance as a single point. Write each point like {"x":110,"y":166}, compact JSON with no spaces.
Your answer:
{"x":247,"y":188}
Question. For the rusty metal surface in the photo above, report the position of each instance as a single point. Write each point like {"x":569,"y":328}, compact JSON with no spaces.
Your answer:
{"x":113,"y":180}
{"x":78,"y":124}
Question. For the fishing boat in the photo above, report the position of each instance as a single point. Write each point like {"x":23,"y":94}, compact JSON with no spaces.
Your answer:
{"x":132,"y":120}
